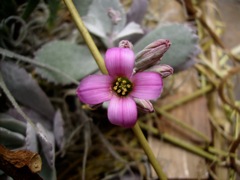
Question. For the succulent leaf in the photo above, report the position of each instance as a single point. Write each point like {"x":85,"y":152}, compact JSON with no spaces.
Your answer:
{"x":25,"y":89}
{"x":72,"y":59}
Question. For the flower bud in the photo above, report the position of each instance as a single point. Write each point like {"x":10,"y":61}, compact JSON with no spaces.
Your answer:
{"x":151,"y":54}
{"x":114,"y":15}
{"x":164,"y":70}
{"x":125,"y":44}
{"x":144,"y":105}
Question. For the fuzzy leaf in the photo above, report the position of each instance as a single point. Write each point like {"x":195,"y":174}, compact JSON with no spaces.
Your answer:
{"x":58,"y":129}
{"x":47,"y":172}
{"x":184,"y":44}
{"x":46,"y":139}
{"x":25,"y":89}
{"x":12,"y":124}
{"x":98,"y":17}
{"x":131,"y":29}
{"x":34,"y":116}
{"x":10,"y":138}
{"x":82,"y":6}
{"x":31,"y":142}
{"x":72,"y":59}
{"x":95,"y":26}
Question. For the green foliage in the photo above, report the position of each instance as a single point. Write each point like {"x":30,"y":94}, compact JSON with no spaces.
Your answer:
{"x":98,"y":22}
{"x":74,"y":60}
{"x":184,"y":44}
{"x":25,"y":89}
{"x":82,"y":6}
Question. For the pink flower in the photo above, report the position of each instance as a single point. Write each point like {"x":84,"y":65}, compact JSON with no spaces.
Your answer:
{"x":120,"y":87}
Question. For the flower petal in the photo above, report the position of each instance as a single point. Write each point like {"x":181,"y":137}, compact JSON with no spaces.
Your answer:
{"x":120,"y":62}
{"x":122,"y":111}
{"x":95,"y":89}
{"x":147,"y":85}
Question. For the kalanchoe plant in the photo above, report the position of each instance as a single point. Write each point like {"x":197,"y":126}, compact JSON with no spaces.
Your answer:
{"x":122,"y":87}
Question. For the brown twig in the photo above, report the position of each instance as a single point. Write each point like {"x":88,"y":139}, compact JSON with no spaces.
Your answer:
{"x":20,"y":164}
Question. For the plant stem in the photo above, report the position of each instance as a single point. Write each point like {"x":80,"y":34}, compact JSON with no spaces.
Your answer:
{"x":138,"y":133}
{"x":86,"y":36}
{"x":100,"y":62}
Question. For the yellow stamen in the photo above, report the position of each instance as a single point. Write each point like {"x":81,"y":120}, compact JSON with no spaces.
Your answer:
{"x":122,"y":86}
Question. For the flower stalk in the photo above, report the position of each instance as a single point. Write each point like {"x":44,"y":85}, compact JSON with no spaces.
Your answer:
{"x":100,"y":62}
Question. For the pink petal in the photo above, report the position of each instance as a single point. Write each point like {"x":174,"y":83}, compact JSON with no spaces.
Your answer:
{"x":95,"y":89}
{"x":147,"y":85}
{"x":119,"y":62}
{"x":122,"y":111}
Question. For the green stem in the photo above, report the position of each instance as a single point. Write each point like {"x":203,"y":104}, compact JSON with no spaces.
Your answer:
{"x":100,"y":62}
{"x":138,"y":132}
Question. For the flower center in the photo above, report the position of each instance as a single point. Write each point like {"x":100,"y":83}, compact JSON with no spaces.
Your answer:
{"x":122,"y":86}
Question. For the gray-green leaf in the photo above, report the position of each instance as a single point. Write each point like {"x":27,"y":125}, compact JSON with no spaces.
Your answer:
{"x":12,"y":124}
{"x":74,"y":60}
{"x":98,"y":17}
{"x":82,"y":6}
{"x":25,"y":89}
{"x":11,"y":139}
{"x":31,"y":142}
{"x":58,"y":129}
{"x":46,"y":139}
{"x":131,"y":29}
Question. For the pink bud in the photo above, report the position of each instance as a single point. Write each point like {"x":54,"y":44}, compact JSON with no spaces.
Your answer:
{"x":125,"y":44}
{"x":114,"y":15}
{"x":151,"y":54}
{"x":144,"y":105}
{"x":164,"y":70}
